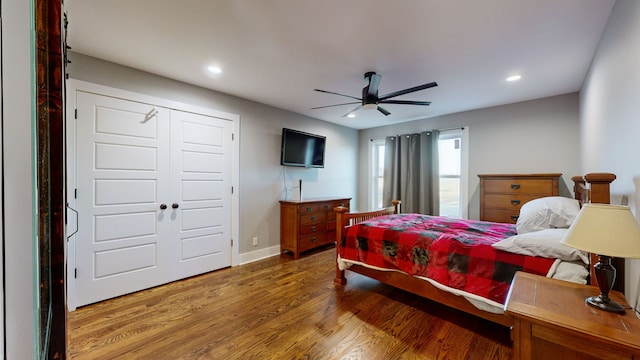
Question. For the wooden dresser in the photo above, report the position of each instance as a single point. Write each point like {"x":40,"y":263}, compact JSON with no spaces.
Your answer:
{"x":552,"y":321}
{"x":502,"y":195}
{"x":305,"y":225}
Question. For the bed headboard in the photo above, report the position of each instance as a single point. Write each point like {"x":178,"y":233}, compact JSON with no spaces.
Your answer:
{"x":595,"y":188}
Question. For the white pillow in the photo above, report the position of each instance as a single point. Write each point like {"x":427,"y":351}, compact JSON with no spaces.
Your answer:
{"x":544,"y":243}
{"x":547,"y":213}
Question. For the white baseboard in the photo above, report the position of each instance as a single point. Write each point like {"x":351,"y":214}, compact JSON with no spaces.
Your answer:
{"x":259,"y":255}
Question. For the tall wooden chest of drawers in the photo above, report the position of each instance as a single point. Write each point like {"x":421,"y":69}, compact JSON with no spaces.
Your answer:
{"x":502,"y":195}
{"x":305,"y":225}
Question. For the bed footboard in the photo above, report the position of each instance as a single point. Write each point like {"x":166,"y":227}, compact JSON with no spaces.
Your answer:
{"x":344,"y":219}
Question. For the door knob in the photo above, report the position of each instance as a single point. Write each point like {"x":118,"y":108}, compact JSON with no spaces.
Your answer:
{"x":163,"y":206}
{"x":175,"y":205}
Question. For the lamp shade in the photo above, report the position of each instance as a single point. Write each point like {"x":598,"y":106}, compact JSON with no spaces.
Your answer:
{"x":608,"y":230}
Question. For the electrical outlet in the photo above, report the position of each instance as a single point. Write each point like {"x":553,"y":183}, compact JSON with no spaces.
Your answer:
{"x":255,"y":241}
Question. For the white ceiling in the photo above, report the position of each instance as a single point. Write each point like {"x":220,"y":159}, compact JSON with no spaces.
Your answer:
{"x":277,"y":51}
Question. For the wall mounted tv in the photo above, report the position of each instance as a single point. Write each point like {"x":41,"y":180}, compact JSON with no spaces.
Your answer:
{"x":302,"y":149}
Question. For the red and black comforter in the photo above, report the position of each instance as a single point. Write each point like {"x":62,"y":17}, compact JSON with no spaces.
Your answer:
{"x":454,"y":252}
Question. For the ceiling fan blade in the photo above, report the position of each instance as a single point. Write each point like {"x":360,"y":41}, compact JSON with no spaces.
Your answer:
{"x":352,"y":111}
{"x":374,"y":81}
{"x":335,"y":93}
{"x":405,"y":102}
{"x":326,"y":106}
{"x":409,"y":90}
{"x":382,"y":110}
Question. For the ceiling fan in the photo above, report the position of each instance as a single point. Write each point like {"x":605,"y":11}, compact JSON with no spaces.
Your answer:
{"x":371,"y":100}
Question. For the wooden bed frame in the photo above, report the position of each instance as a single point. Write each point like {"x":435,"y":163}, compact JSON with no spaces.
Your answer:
{"x":593,"y":187}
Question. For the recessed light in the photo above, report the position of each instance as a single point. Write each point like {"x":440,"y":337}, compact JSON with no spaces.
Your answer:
{"x":214,"y":70}
{"x":514,"y":78}
{"x":352,"y":115}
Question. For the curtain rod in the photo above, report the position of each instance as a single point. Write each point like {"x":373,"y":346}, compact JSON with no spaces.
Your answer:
{"x":455,"y":128}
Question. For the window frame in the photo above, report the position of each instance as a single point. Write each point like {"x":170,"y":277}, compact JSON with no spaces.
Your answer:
{"x":374,"y":144}
{"x":464,"y":168}
{"x":462,"y":134}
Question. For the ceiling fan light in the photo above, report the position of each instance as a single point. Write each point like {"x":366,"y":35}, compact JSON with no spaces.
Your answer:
{"x":214,"y":70}
{"x":370,"y":106}
{"x":514,"y":78}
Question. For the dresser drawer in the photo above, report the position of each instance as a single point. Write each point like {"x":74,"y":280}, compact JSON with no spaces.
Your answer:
{"x":507,"y":202}
{"x":331,"y":236}
{"x":500,"y":215}
{"x":308,"y":208}
{"x":326,"y":207}
{"x":519,"y":186}
{"x":335,"y":204}
{"x":313,"y":218}
{"x":312,"y":229}
{"x":311,"y":241}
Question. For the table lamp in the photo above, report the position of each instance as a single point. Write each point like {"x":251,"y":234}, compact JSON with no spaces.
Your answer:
{"x":607,"y":231}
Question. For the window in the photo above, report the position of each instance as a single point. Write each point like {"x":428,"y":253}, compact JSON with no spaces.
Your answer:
{"x":449,"y":159}
{"x":452,"y":155}
{"x":377,"y":173}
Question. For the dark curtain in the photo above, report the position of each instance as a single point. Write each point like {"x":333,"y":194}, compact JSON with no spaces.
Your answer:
{"x":411,"y":172}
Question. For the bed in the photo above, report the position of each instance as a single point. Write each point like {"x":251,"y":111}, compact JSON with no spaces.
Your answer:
{"x":461,"y":271}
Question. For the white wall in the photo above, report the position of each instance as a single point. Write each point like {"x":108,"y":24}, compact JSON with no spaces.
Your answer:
{"x":262,"y":179}
{"x":17,"y":162}
{"x":610,"y":116}
{"x":538,"y":136}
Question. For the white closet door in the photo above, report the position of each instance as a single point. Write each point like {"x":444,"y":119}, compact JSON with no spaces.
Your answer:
{"x":201,"y":166}
{"x":122,"y":178}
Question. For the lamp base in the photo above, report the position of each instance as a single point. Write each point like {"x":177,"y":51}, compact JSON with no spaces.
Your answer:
{"x":605,"y":303}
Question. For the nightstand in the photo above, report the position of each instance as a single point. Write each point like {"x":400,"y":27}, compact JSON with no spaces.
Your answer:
{"x":552,"y":321}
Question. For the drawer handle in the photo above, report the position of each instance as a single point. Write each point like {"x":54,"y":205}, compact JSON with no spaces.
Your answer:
{"x":313,"y":218}
{"x":514,"y":217}
{"x":326,"y":207}
{"x":313,"y":229}
{"x":308,"y":209}
{"x":515,"y":186}
{"x":515,"y":202}
{"x":313,"y":239}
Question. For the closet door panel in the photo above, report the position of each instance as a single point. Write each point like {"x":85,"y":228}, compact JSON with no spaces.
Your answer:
{"x":120,"y":192}
{"x":195,"y":246}
{"x":198,"y":190}
{"x":125,"y":226}
{"x":201,"y":181}
{"x":122,"y":178}
{"x":117,"y":262}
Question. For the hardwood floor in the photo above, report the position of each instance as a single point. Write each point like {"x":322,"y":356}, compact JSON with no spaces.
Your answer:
{"x":280,"y":308}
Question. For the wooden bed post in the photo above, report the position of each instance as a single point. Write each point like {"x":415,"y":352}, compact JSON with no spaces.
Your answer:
{"x":396,"y":206}
{"x":580,"y":191}
{"x":600,"y":187}
{"x":340,"y":279}
{"x":598,"y":191}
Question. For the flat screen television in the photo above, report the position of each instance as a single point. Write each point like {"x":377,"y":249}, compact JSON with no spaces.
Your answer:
{"x":302,"y":149}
